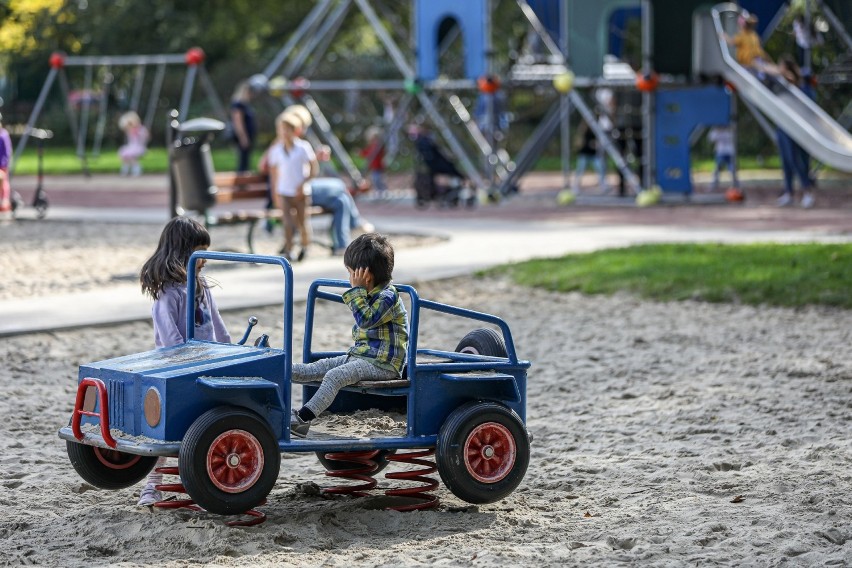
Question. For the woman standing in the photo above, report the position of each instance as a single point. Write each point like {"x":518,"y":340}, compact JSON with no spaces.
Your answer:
{"x":243,"y":125}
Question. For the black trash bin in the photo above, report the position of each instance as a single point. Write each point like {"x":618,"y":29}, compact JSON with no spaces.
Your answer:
{"x":191,"y":164}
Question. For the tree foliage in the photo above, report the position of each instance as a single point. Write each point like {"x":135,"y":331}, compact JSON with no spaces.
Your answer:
{"x":241,"y":35}
{"x":26,"y":23}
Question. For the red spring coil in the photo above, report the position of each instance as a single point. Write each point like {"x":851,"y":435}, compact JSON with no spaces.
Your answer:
{"x":419,"y":492}
{"x":257,"y":516}
{"x":363,"y":468}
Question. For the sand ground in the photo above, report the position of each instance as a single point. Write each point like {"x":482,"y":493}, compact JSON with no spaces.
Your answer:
{"x":666,"y":434}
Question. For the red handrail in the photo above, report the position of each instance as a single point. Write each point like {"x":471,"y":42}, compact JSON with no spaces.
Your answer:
{"x":103,"y":413}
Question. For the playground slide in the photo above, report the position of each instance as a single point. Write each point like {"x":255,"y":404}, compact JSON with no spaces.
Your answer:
{"x":788,"y":107}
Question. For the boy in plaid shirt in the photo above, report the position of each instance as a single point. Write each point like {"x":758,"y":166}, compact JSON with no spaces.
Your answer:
{"x":380,"y":331}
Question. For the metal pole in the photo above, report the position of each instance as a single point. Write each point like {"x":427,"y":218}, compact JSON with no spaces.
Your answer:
{"x":836,"y":24}
{"x":451,"y":139}
{"x":172,"y":126}
{"x":137,"y":88}
{"x":84,"y":114}
{"x":425,"y":101}
{"x":394,"y":51}
{"x":333,"y":21}
{"x":322,"y":124}
{"x":186,"y":95}
{"x":533,"y":146}
{"x":774,"y":22}
{"x":70,"y":112}
{"x":396,"y":123}
{"x":154,"y":96}
{"x":212,"y":95}
{"x":329,"y":33}
{"x":102,"y":112}
{"x":307,"y":24}
{"x":540,"y":30}
{"x":565,"y":102}
{"x":609,"y":147}
{"x":565,"y":139}
{"x":42,"y":96}
{"x":807,"y":57}
{"x":736,"y":138}
{"x":491,"y":160}
{"x":647,"y":158}
{"x":484,"y":145}
{"x":84,"y":61}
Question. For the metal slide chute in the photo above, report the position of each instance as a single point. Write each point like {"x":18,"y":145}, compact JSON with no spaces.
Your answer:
{"x":787,"y":106}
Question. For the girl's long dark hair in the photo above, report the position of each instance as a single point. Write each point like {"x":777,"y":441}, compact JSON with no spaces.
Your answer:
{"x":180,"y":238}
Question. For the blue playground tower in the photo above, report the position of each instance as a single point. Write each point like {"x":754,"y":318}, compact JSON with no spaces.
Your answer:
{"x":673,"y":80}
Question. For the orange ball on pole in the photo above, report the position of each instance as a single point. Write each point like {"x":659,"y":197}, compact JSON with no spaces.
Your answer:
{"x":647,"y":82}
{"x":57,"y":60}
{"x":194,"y":56}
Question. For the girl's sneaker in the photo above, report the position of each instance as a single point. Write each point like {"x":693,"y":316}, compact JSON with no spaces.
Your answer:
{"x":149,"y":495}
{"x":785,"y":200}
{"x":808,"y":200}
{"x":298,"y":427}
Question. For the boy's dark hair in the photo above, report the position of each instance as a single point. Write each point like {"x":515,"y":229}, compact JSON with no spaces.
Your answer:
{"x":373,"y":251}
{"x":179,"y":239}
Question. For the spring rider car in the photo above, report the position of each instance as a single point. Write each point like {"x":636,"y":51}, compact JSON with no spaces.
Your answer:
{"x":223,"y":409}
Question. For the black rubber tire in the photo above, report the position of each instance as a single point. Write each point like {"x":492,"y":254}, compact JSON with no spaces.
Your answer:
{"x":483,"y":341}
{"x":336,"y":465}
{"x":248,"y":437}
{"x":459,"y":453}
{"x":108,"y":469}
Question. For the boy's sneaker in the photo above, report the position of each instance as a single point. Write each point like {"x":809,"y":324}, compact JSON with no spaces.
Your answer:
{"x":808,"y":200}
{"x":298,"y":427}
{"x":149,"y":495}
{"x":785,"y":200}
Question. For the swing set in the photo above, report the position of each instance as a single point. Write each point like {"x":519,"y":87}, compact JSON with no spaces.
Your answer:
{"x":103,"y":71}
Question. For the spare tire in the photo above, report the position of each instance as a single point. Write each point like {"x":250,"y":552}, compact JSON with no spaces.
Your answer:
{"x":483,"y":341}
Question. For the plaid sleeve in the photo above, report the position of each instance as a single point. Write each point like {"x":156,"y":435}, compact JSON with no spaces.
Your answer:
{"x":369,"y":314}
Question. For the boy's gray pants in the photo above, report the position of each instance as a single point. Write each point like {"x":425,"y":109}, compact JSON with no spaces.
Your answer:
{"x":336,"y":373}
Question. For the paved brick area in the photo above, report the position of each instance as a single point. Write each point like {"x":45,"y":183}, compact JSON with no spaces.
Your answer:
{"x":536,"y":201}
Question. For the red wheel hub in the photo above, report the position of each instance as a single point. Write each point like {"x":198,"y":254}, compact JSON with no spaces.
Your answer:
{"x":234,"y":461}
{"x":115,"y":460}
{"x":490,"y":452}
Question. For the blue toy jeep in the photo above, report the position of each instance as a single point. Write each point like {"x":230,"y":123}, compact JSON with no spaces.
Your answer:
{"x":223,"y":409}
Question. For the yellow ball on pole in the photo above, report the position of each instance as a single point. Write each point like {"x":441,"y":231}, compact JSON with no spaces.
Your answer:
{"x":277,"y":85}
{"x":564,"y":82}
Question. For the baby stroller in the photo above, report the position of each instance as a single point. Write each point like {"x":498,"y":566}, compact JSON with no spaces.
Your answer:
{"x":431,"y":163}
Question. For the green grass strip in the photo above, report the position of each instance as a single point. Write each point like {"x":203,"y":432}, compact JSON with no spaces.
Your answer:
{"x":61,"y":161}
{"x":771,"y":274}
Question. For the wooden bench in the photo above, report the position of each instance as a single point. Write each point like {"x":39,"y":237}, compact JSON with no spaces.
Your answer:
{"x":234,"y":187}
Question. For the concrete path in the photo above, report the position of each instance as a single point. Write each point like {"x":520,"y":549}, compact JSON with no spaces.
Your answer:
{"x":468,"y":246}
{"x":528,"y":225}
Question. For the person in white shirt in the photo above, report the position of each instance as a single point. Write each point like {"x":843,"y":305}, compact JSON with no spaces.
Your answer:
{"x":722,"y":138}
{"x":292,"y":164}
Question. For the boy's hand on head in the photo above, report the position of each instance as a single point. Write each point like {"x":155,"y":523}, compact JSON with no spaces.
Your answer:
{"x":360,"y":277}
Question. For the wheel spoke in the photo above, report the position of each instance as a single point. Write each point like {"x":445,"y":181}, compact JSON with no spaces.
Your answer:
{"x":235,"y":461}
{"x":489,"y":452}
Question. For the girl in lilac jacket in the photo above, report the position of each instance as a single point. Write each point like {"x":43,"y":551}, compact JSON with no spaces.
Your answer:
{"x":163,"y":278}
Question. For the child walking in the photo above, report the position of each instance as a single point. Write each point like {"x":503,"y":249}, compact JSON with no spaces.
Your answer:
{"x":722,"y":138}
{"x":292,"y":164}
{"x":588,"y":153}
{"x":163,"y":278}
{"x":375,"y":153}
{"x":380,"y":331}
{"x":136,"y":145}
